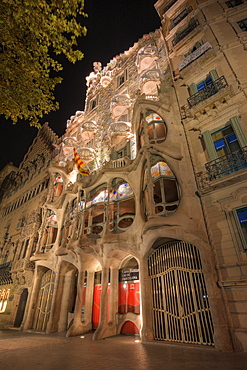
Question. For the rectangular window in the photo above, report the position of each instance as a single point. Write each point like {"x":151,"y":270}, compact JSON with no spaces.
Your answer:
{"x":233,"y":3}
{"x":225,"y":141}
{"x":122,"y":78}
{"x":226,"y":148}
{"x":93,"y":103}
{"x":243,"y":24}
{"x":241,"y":217}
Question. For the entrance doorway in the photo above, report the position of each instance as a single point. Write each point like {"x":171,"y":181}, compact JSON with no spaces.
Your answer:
{"x":43,"y":309}
{"x":21,"y":308}
{"x":181,"y":311}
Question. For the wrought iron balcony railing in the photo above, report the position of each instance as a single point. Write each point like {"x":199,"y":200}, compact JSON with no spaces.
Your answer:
{"x":209,"y":90}
{"x":180,"y":35}
{"x":227,"y":164}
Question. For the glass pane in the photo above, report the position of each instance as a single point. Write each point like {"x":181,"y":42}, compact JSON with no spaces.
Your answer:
{"x":160,"y":130}
{"x":125,"y":222}
{"x":98,"y":214}
{"x":171,"y":193}
{"x":127,"y":207}
{"x":157,"y":192}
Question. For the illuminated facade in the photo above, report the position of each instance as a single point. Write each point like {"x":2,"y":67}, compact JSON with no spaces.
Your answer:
{"x":153,"y":241}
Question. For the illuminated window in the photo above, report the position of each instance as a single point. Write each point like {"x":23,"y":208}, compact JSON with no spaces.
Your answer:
{"x":122,"y":206}
{"x":58,"y":187}
{"x":156,"y":129}
{"x":50,"y":232}
{"x":165,"y":190}
{"x":94,"y":216}
{"x":4,"y":295}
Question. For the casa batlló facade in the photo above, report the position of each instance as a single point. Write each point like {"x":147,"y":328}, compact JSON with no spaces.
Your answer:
{"x":148,"y":235}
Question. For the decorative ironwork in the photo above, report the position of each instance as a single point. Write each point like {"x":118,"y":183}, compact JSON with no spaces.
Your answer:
{"x":227,"y":164}
{"x":43,"y":309}
{"x":211,"y":89}
{"x":180,"y":35}
{"x":181,"y":311}
{"x":5,"y":274}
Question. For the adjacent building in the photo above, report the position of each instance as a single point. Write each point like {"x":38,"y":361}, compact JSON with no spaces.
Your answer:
{"x":145,"y":233}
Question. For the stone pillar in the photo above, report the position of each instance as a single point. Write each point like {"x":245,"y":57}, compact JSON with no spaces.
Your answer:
{"x":63,"y":319}
{"x":114,"y":298}
{"x":146,"y":332}
{"x":28,"y":324}
{"x":52,"y":325}
{"x":78,"y":327}
{"x":102,"y":330}
{"x":87,"y":318}
{"x":221,"y":322}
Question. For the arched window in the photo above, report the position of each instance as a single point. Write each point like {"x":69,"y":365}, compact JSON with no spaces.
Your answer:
{"x":58,"y":187}
{"x":122,"y":206}
{"x":165,"y":190}
{"x":94,"y":217}
{"x":156,"y":129}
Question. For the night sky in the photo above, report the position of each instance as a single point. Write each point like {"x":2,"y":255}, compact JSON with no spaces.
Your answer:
{"x":113,"y":26}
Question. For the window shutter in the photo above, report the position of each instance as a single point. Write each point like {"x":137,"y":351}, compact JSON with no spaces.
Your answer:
{"x":209,"y":145}
{"x":193,"y":88}
{"x":238,"y":131}
{"x":213,"y":74}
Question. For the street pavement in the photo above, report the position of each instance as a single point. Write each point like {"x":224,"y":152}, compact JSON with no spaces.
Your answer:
{"x":36,"y":351}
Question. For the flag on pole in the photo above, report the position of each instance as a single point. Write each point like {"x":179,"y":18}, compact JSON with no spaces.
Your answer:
{"x":80,"y":164}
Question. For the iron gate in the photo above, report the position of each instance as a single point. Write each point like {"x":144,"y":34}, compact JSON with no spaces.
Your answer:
{"x":181,"y":311}
{"x":43,"y":309}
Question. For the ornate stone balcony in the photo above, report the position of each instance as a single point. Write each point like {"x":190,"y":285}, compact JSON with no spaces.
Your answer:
{"x":209,"y":90}
{"x":120,"y":162}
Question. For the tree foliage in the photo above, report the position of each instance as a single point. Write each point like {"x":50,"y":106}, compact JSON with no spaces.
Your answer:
{"x":32,"y":33}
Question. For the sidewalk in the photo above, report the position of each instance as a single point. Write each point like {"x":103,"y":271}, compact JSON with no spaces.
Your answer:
{"x":34,"y":351}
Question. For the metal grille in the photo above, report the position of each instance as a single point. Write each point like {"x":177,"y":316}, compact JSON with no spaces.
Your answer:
{"x":43,"y":309}
{"x":227,"y":164}
{"x":209,"y":90}
{"x":181,"y":311}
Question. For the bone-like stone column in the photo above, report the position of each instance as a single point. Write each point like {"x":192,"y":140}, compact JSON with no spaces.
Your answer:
{"x":87,"y":318}
{"x":114,"y":297}
{"x":101,"y":331}
{"x":146,"y":332}
{"x":52,"y":325}
{"x":28,"y":324}
{"x":80,"y":327}
{"x":63,"y":319}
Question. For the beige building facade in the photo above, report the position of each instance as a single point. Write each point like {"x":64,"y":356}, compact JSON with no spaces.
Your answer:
{"x":153,"y":241}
